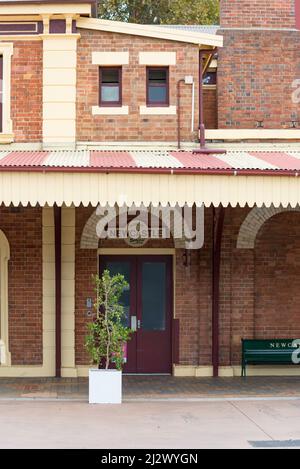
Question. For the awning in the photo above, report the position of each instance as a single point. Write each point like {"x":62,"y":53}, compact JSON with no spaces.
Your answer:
{"x":157,"y":177}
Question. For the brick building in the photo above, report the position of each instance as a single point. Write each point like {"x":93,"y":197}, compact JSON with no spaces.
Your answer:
{"x":96,"y":112}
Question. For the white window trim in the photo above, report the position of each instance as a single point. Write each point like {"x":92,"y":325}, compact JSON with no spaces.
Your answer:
{"x":110,"y":58}
{"x":6,"y":50}
{"x":5,"y":356}
{"x":158,"y":111}
{"x":157,"y":58}
{"x":110,"y":111}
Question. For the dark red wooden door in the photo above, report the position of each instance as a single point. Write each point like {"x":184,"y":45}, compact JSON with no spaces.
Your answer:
{"x":148,"y":307}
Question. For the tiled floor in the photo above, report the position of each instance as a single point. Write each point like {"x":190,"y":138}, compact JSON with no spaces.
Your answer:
{"x":154,"y":387}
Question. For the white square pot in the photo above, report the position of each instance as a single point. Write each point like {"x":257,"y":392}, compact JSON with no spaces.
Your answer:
{"x":105,"y":386}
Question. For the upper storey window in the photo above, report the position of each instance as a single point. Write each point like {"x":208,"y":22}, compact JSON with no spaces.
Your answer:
{"x":6,"y":52}
{"x":110,"y":86}
{"x":157,"y":86}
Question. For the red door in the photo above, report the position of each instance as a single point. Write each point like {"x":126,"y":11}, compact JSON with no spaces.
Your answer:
{"x":148,"y":307}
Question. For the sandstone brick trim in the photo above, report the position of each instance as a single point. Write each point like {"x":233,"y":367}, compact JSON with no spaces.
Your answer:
{"x":254,"y":221}
{"x":89,"y":238}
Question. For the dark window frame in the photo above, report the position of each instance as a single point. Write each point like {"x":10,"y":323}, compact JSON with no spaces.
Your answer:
{"x":110,"y":103}
{"x":207,"y":73}
{"x":165,"y":103}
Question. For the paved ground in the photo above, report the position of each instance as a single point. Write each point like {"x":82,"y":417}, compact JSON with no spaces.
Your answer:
{"x":226,"y":424}
{"x":154,"y":388}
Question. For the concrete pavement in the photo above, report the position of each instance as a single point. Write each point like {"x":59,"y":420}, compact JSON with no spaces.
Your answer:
{"x":210,"y":424}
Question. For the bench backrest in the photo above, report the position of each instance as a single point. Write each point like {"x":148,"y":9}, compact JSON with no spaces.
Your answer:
{"x":269,"y":350}
{"x":269,"y":344}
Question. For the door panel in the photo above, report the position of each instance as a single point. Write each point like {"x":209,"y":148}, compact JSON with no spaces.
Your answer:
{"x":149,"y":300}
{"x":125,"y":266}
{"x":154,"y":295}
{"x":153,"y":307}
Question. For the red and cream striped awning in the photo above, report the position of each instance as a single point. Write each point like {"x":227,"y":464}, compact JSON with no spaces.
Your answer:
{"x":149,"y":177}
{"x":233,"y":162}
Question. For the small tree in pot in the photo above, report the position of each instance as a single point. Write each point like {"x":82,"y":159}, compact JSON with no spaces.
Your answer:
{"x":106,"y":339}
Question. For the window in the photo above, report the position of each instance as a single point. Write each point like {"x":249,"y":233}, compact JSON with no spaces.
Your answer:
{"x":6,"y":52}
{"x":157,"y":86}
{"x":110,"y":86}
{"x":210,"y":78}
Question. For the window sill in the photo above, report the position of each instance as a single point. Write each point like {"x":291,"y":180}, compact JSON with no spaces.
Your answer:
{"x":110,"y":111}
{"x":158,"y":111}
{"x":6,"y":138}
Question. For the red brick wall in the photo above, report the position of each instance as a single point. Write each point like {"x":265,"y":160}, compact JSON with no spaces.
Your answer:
{"x":192,"y":289}
{"x":24,"y":233}
{"x":277,"y":281}
{"x":85,"y":267}
{"x":132,"y":127}
{"x":297,"y":6}
{"x":255,"y":79}
{"x":259,"y":293}
{"x":247,"y":13}
{"x":259,"y":288}
{"x":26,"y":90}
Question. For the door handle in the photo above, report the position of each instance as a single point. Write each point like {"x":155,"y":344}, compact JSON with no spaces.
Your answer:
{"x":139,"y":324}
{"x":133,"y":323}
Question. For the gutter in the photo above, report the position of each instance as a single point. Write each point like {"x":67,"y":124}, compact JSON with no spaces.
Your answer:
{"x":170,"y":171}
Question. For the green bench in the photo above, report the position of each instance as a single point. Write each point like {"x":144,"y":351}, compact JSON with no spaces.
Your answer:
{"x":274,"y":351}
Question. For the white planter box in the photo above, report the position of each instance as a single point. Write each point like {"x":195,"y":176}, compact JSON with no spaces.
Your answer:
{"x":105,"y":386}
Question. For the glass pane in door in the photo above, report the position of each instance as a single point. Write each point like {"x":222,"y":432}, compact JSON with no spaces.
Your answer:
{"x":154,"y":296}
{"x":122,"y":267}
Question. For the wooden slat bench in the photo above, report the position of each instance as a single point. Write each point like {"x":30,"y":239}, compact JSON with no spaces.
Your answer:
{"x":262,"y":352}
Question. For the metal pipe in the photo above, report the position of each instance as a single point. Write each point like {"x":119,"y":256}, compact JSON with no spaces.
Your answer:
{"x":217,"y":231}
{"x":57,"y":237}
{"x":193,"y":107}
{"x":201,"y":109}
{"x":137,"y":170}
{"x":178,"y":112}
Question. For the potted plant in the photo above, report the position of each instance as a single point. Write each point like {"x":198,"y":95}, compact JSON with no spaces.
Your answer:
{"x":106,"y":340}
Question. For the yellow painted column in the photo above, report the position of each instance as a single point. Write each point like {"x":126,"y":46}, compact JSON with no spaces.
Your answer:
{"x":68,"y":292}
{"x":48,"y":368}
{"x":5,"y":356}
{"x":59,"y":89}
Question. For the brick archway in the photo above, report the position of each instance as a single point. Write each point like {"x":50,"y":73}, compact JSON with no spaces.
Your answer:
{"x":89,"y":238}
{"x":254,"y":221}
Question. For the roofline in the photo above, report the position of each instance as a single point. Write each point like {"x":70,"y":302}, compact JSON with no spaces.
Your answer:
{"x":40,"y":7}
{"x":154,"y":31}
{"x":41,"y":2}
{"x":170,"y":171}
